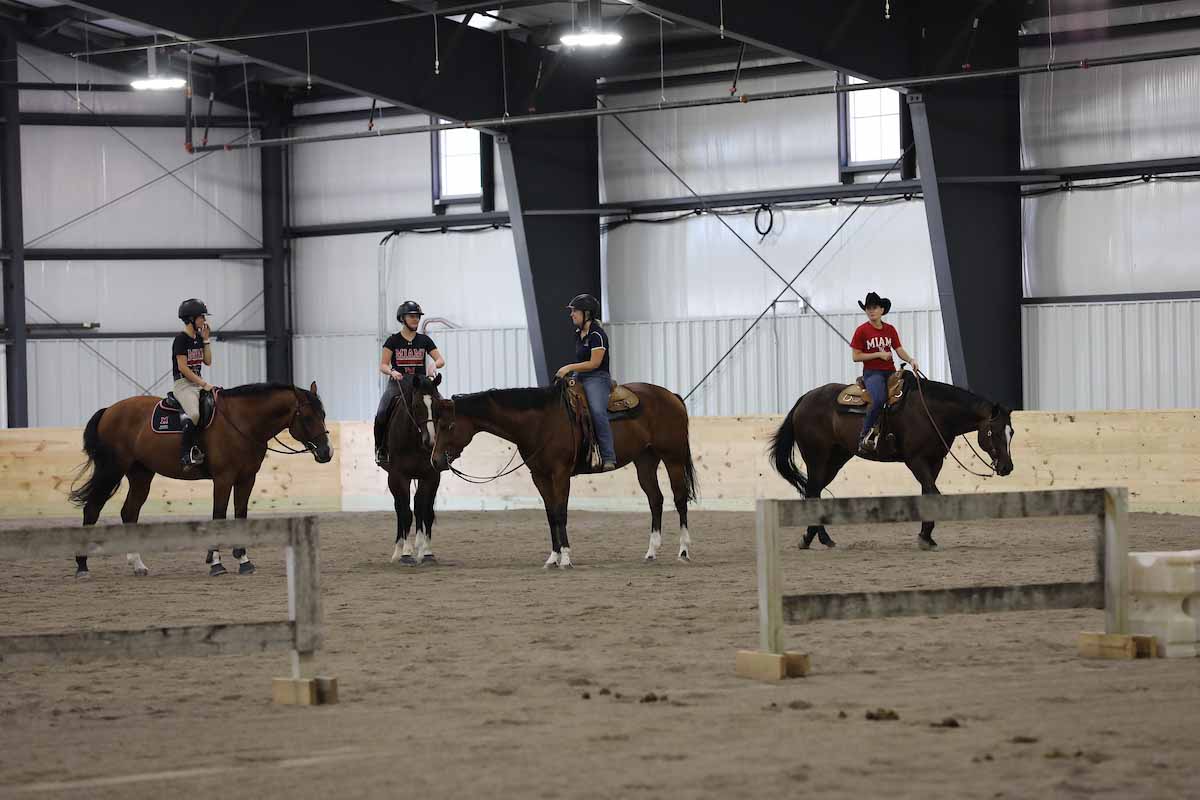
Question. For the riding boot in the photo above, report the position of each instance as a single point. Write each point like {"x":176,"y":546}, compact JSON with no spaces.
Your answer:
{"x":190,"y":454}
{"x":381,"y":452}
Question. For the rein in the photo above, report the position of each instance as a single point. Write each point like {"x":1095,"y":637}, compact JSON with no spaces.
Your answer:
{"x":479,"y":480}
{"x":921,"y":378}
{"x":287,"y":449}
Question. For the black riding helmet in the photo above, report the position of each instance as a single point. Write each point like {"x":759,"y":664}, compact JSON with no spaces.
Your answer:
{"x":191,"y":308}
{"x":408,"y":307}
{"x":587,"y":304}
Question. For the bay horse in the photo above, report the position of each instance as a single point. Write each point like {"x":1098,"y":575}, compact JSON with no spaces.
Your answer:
{"x":410,"y":435}
{"x":929,"y":418}
{"x":119,"y":443}
{"x":538,"y":421}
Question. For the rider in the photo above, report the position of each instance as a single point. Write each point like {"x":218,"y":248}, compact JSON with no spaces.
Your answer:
{"x":403,"y":354}
{"x":591,"y":350}
{"x":191,"y":351}
{"x":873,"y":344}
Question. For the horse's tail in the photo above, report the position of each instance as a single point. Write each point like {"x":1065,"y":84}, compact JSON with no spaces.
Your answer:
{"x":101,"y":462}
{"x":782,"y":450}
{"x":689,"y":469}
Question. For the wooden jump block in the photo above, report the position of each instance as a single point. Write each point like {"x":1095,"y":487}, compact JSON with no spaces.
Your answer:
{"x":760,"y":666}
{"x":321,"y":691}
{"x":1116,"y":646}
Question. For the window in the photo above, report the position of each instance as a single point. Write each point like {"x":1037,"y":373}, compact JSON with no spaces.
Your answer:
{"x":873,"y":124}
{"x":458,"y":167}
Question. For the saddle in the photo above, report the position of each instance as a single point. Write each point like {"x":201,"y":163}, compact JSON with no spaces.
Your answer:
{"x":622,"y":404}
{"x":855,"y":398}
{"x":167,"y":416}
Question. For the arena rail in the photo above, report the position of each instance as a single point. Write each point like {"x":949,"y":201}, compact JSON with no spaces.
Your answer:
{"x":1108,"y":591}
{"x":300,"y":633}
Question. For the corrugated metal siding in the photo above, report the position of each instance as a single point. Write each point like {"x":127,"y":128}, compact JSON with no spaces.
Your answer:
{"x":68,"y":381}
{"x":343,"y":365}
{"x":782,"y":358}
{"x":1099,"y":356}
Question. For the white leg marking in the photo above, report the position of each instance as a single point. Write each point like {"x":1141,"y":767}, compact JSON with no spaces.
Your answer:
{"x":135,"y":560}
{"x":565,"y":561}
{"x":685,"y":545}
{"x":552,"y":561}
{"x":397,"y":552}
{"x":429,"y":418}
{"x":655,"y":543}
{"x":423,"y":548}
{"x":408,"y":546}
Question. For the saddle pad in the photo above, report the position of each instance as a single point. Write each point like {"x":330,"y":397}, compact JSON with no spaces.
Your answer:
{"x":166,"y":420}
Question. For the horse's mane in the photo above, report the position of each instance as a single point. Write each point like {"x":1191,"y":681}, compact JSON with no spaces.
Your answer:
{"x":530,"y":399}
{"x":956,"y":395}
{"x":258,"y":389}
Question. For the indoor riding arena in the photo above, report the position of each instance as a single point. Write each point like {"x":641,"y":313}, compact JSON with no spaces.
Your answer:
{"x":600,"y":399}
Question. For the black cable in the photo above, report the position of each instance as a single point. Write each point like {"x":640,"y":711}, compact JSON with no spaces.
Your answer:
{"x":770,"y":222}
{"x":807,"y":264}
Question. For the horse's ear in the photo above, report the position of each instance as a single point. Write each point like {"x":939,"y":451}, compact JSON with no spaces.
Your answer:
{"x":437,"y":381}
{"x":312,"y":387}
{"x":997,"y":410}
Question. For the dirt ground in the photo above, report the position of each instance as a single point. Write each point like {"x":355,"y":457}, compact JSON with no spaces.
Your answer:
{"x":488,"y":674}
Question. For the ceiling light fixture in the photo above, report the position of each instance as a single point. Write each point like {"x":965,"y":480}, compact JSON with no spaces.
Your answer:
{"x":590,"y":38}
{"x":154,"y":81}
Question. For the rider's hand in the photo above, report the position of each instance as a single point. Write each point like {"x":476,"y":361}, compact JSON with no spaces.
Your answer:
{"x":394,"y":375}
{"x":204,"y":330}
{"x":913,"y":365}
{"x":886,"y":355}
{"x":562,"y":373}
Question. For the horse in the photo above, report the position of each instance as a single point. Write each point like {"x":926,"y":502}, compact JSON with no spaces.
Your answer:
{"x":538,"y":421}
{"x":410,"y":444}
{"x":930,"y":416}
{"x":119,"y":443}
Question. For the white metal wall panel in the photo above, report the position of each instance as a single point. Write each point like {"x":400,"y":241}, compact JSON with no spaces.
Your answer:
{"x":696,"y":268}
{"x":726,"y":148}
{"x":783,"y":357}
{"x":68,"y":173}
{"x":138,"y":296}
{"x":1135,"y":238}
{"x":1122,"y":113}
{"x":1106,"y":356}
{"x":344,"y":366}
{"x":69,"y":380}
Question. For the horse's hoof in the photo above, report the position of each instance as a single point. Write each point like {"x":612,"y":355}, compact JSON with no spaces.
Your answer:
{"x":685,"y":556}
{"x":830,"y":544}
{"x":568,"y":565}
{"x":429,"y":558}
{"x":247,"y":568}
{"x":927,"y":544}
{"x":805,"y":545}
{"x":82,"y":574}
{"x":217,"y":569}
{"x":208,"y":558}
{"x":650,"y":557}
{"x":408,"y":561}
{"x":140,"y":572}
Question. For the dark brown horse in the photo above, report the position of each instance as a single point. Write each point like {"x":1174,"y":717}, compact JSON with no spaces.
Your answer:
{"x":538,"y":423}
{"x":120,"y":444}
{"x":828,"y":437}
{"x":410,"y":445}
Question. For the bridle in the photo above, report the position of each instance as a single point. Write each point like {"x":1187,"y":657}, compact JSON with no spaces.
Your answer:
{"x":921,"y":378}
{"x":287,"y":450}
{"x":480,"y":480}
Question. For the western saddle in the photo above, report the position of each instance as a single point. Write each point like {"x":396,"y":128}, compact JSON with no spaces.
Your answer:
{"x":855,"y":398}
{"x":622,"y":402}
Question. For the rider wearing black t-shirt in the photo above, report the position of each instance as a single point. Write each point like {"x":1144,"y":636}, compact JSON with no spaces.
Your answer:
{"x":190,"y":352}
{"x":404,"y":353}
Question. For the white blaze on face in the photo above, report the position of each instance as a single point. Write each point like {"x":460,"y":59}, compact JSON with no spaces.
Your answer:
{"x":429,"y":418}
{"x":1008,"y":433}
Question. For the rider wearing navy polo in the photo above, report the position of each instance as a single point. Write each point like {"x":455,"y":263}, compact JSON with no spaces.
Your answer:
{"x":592,"y":359}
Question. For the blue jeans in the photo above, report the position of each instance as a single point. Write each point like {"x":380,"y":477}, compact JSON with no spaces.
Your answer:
{"x":597,"y":386}
{"x":876,"y":381}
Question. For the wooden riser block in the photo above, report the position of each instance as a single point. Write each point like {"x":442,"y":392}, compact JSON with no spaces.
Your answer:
{"x":304,"y":691}
{"x":760,"y":666}
{"x":1116,"y":646}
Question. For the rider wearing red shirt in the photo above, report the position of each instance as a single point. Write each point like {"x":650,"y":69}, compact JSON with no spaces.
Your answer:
{"x":873,"y":344}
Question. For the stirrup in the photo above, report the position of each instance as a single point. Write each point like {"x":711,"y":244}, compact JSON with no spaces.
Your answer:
{"x":608,"y":466}
{"x":193,"y":457}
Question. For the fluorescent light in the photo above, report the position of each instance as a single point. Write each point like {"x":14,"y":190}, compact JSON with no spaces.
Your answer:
{"x":591,"y":39}
{"x":158,"y":83}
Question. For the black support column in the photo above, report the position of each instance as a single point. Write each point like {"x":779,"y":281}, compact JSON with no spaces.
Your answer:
{"x":13,"y":236}
{"x":967,"y":140}
{"x":275,"y":287}
{"x":549,"y":168}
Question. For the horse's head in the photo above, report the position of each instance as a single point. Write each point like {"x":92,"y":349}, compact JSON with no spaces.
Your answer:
{"x":452,"y":434}
{"x":308,"y":424}
{"x":425,"y":397}
{"x":995,"y":437}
